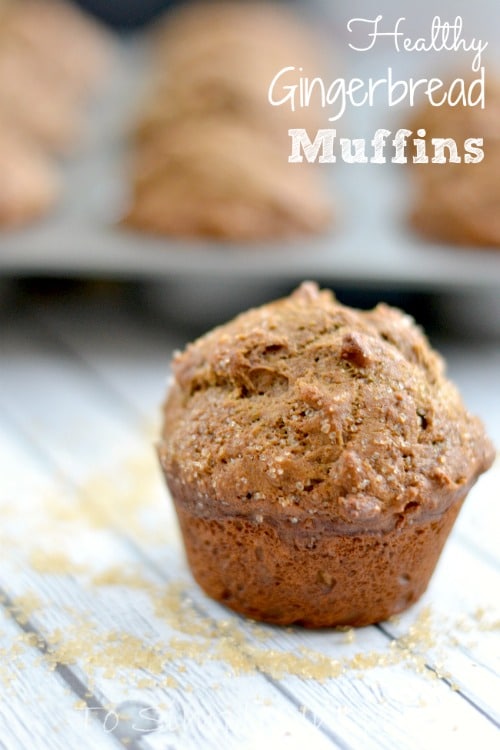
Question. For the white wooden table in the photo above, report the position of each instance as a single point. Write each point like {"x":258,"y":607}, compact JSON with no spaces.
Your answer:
{"x":106,"y":641}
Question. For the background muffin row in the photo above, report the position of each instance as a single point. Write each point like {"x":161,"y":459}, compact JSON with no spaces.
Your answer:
{"x":207,"y":155}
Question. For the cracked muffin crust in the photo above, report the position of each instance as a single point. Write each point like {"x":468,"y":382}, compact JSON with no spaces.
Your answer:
{"x":317,"y":457}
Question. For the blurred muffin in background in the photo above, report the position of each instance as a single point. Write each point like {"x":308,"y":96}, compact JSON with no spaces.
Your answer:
{"x":460,"y":202}
{"x":218,"y":178}
{"x":33,"y":101}
{"x":29,"y":182}
{"x":219,"y":58}
{"x":51,"y":56}
{"x":210,"y":154}
{"x":61,"y":37}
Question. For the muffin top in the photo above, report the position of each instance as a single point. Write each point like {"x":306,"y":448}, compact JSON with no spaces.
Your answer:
{"x":309,"y":411}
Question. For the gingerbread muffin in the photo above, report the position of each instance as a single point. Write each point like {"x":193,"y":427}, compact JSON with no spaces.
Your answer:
{"x":219,"y":59}
{"x":317,"y":457}
{"x":460,"y":202}
{"x":210,"y":153}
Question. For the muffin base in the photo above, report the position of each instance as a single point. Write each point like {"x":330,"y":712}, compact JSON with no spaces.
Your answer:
{"x":270,"y":572}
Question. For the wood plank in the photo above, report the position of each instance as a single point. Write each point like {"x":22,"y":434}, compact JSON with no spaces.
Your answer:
{"x":37,"y":709}
{"x":99,"y":332}
{"x":475,"y":367}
